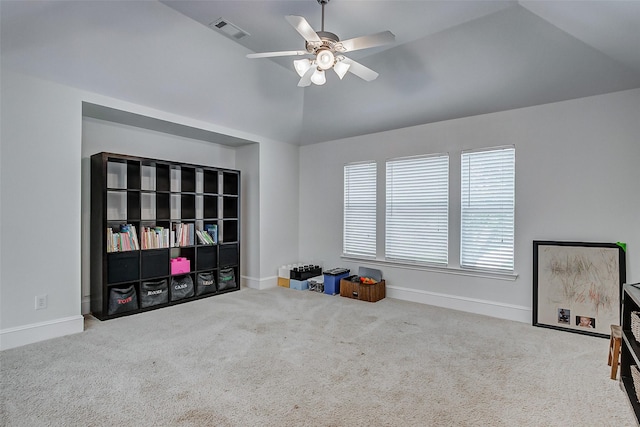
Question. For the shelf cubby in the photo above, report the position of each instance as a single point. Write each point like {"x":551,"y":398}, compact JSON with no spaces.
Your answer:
{"x":188,"y":252}
{"x":174,"y":176}
{"x":188,"y":179}
{"x":188,"y":206}
{"x":148,"y":205}
{"x":229,"y":231}
{"x":210,"y":207}
{"x":133,"y":205}
{"x":133,"y":175}
{"x":210,"y":178}
{"x":230,"y":183}
{"x":148,"y":176}
{"x":163,"y":206}
{"x":163,"y":177}
{"x":230,"y":207}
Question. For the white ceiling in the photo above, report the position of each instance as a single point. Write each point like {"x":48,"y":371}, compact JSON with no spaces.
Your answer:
{"x":451,"y":59}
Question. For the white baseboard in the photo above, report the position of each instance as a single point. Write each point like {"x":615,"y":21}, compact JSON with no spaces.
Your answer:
{"x":470,"y":305}
{"x":260,"y":284}
{"x":29,"y":334}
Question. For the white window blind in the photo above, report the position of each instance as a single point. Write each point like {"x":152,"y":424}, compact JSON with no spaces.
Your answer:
{"x":417,"y":212}
{"x":488,"y":209}
{"x":359,"y":233}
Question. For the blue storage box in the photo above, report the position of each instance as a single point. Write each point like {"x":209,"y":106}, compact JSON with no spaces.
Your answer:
{"x":332,"y":280}
{"x":301,"y":285}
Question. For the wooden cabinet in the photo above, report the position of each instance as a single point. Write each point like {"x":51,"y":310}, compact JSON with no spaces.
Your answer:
{"x":148,"y":216}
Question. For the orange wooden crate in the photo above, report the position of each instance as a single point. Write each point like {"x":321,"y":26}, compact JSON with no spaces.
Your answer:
{"x":362,"y":292}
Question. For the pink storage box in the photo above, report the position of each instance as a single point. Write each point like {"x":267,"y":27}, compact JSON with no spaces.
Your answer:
{"x":179,"y":265}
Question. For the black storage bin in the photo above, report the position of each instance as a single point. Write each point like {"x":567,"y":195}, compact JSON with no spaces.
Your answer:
{"x":155,"y":263}
{"x":181,"y":287}
{"x":153,"y":292}
{"x":123,"y":266}
{"x":227,"y":279}
{"x":122,"y":300}
{"x":228,"y":255}
{"x":207,"y":257}
{"x":306,"y":272}
{"x":205,"y":283}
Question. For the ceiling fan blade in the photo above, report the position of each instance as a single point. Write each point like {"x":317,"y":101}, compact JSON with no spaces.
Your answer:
{"x":282,"y":53}
{"x":302,"y":26}
{"x":360,"y":70}
{"x":365,"y":42}
{"x":306,"y":78}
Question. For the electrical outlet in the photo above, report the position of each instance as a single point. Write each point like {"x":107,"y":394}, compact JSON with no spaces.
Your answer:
{"x":41,"y":302}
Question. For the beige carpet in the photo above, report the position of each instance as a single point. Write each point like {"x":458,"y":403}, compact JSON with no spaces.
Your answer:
{"x":282,"y":357}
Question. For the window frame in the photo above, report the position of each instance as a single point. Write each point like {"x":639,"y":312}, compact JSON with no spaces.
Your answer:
{"x":421,"y":198}
{"x":491,"y":256}
{"x":354,"y":228}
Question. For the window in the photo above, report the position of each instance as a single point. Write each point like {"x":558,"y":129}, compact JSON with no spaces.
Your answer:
{"x":417,"y":209}
{"x":359,"y":233}
{"x":487,"y":209}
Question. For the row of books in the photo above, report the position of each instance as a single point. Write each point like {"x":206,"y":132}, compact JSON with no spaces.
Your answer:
{"x":185,"y":234}
{"x":124,"y":240}
{"x":159,"y":237}
{"x":156,"y":237}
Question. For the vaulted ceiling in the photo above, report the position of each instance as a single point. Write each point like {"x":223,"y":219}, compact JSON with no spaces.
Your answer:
{"x":451,"y":59}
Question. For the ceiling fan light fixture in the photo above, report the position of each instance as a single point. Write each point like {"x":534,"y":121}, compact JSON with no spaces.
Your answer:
{"x":325,"y":59}
{"x":318,"y":77}
{"x":301,"y":66}
{"x":327,"y":50}
{"x":341,"y":68}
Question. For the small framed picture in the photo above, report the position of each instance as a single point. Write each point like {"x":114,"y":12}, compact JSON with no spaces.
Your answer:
{"x":585,"y":322}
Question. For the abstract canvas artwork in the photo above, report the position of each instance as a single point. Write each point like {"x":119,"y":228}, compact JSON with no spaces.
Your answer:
{"x":577,"y":286}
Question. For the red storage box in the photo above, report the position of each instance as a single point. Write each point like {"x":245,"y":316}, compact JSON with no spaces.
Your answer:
{"x":180,"y":265}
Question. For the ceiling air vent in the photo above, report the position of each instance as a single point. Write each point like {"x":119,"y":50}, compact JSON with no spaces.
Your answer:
{"x":228,"y":29}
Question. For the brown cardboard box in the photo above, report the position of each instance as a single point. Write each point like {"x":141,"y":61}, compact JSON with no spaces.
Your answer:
{"x":357,"y":290}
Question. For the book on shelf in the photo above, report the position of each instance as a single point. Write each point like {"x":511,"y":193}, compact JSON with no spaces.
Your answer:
{"x":212,"y":230}
{"x":125,"y":239}
{"x":178,"y":232}
{"x":203,"y":240}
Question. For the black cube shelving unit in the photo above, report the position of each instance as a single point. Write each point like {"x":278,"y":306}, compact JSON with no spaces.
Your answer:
{"x":129,"y":192}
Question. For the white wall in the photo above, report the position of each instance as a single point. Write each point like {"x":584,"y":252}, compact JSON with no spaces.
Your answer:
{"x":40,"y":178}
{"x":279,"y":176}
{"x":100,"y":135}
{"x":41,"y":126}
{"x":248,"y":162}
{"x":576,"y":180}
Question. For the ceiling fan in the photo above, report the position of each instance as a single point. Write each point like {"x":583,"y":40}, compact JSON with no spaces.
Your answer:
{"x":327,"y":50}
